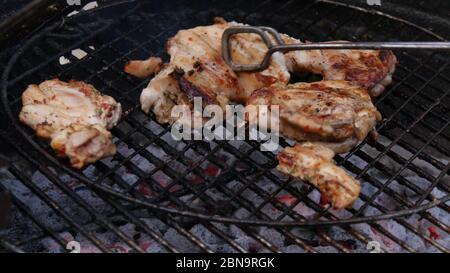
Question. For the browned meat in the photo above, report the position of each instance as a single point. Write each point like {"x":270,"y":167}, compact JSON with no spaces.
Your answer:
{"x":326,"y":111}
{"x":74,"y":116}
{"x":145,"y":68}
{"x":370,"y":69}
{"x":197,"y":68}
{"x":313,"y":163}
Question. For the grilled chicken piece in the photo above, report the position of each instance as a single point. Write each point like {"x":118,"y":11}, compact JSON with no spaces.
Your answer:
{"x":313,"y":163}
{"x":335,"y":113}
{"x":83,"y":144}
{"x":145,"y":68}
{"x":197,"y":68}
{"x":162,"y":94}
{"x":74,"y":116}
{"x":196,"y":64}
{"x":370,"y":69}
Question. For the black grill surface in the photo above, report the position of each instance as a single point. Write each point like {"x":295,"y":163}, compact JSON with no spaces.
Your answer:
{"x":160,"y":195}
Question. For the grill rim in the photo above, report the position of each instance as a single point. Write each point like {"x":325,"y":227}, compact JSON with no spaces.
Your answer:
{"x":55,"y":162}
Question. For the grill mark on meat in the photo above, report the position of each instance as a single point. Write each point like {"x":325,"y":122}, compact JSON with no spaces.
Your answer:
{"x":201,"y":38}
{"x":266,"y":80}
{"x":229,"y":79}
{"x":286,"y":159}
{"x":260,"y":93}
{"x":241,"y":41}
{"x":341,"y":63}
{"x":190,"y":89}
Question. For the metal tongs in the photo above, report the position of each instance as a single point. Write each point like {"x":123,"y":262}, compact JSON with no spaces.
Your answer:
{"x":282,"y":47}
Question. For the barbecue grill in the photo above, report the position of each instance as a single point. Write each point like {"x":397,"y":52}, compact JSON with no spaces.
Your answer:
{"x":162,"y":195}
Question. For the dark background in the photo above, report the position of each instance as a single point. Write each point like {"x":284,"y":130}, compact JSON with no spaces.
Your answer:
{"x":424,"y":8}
{"x":441,"y":7}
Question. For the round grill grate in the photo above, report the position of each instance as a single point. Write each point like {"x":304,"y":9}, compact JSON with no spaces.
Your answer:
{"x":402,"y":173}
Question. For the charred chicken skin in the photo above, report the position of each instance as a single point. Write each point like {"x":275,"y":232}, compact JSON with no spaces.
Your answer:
{"x":74,"y":116}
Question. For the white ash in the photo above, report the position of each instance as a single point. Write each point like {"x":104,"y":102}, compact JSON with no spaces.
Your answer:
{"x":180,"y":242}
{"x":242,"y":146}
{"x":87,"y":194}
{"x":249,"y":243}
{"x":326,"y":249}
{"x":292,"y":249}
{"x":418,"y":161}
{"x":252,"y":196}
{"x":304,"y":210}
{"x":307,"y":234}
{"x":266,"y":185}
{"x":179,"y":167}
{"x":158,"y":152}
{"x":247,"y":194}
{"x":168,"y":138}
{"x":223,"y":248}
{"x":440,"y":214}
{"x":154,"y":127}
{"x":156,"y":225}
{"x":124,"y":150}
{"x":206,"y":236}
{"x":111,"y":241}
{"x":341,"y":235}
{"x":22,"y":227}
{"x":142,"y":163}
{"x":240,"y":236}
{"x":259,"y":158}
{"x":241,"y":213}
{"x":236,"y":231}
{"x":40,"y":208}
{"x":388,"y":202}
{"x":52,"y":246}
{"x":91,"y":172}
{"x":219,"y":197}
{"x":357,"y":161}
{"x":415,"y":241}
{"x":127,"y":176}
{"x":273,"y":236}
{"x":271,"y":211}
{"x":386,"y":243}
{"x":154,"y":247}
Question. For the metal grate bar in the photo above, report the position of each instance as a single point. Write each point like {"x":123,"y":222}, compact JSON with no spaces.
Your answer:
{"x":24,"y":209}
{"x":9,"y":246}
{"x":57,"y":209}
